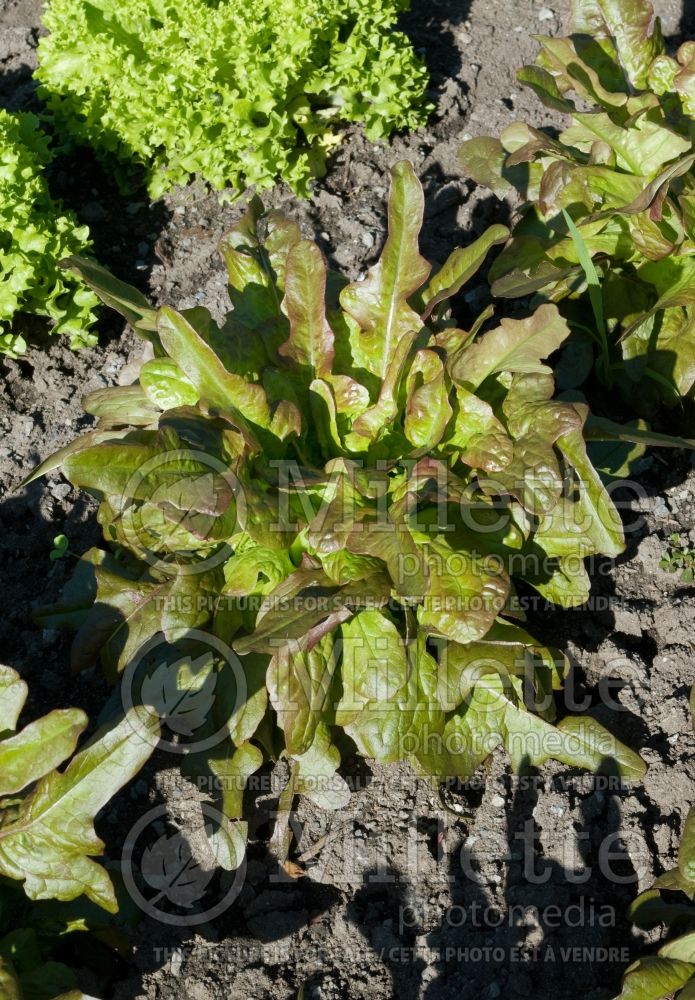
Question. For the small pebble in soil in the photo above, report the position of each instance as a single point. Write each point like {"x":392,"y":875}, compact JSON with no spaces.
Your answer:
{"x":546,"y":14}
{"x":94,"y":212}
{"x":661,"y":508}
{"x":60,"y":490}
{"x":497,"y":801}
{"x":176,"y":962}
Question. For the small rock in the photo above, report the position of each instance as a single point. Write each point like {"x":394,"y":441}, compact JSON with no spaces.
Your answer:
{"x":497,"y":801}
{"x":628,"y":622}
{"x":661,"y":509}
{"x":60,"y":490}
{"x":367,"y":239}
{"x":176,"y":962}
{"x":94,"y":212}
{"x":546,"y":14}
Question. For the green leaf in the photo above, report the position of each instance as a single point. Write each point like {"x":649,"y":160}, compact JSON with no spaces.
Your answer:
{"x":129,"y":610}
{"x":483,"y":160}
{"x":13,"y":694}
{"x":428,"y":410}
{"x":590,"y":273}
{"x":10,"y":987}
{"x":121,"y":405}
{"x":514,"y":346}
{"x":149,"y":88}
{"x":38,"y":748}
{"x":48,"y":841}
{"x":545,"y":87}
{"x":602,"y":429}
{"x":601,"y":521}
{"x":223,"y":392}
{"x":126,"y":300}
{"x":382,"y":414}
{"x":686,"y":855}
{"x":493,"y":716}
{"x":310,"y":344}
{"x":464,"y":595}
{"x":682,"y":949}
{"x":460,"y":267}
{"x":166,"y":386}
{"x":479,"y":434}
{"x":393,"y":543}
{"x":57,"y":459}
{"x":317,"y":776}
{"x":379,"y":304}
{"x":628,"y":23}
{"x":374,"y":665}
{"x":643,"y":149}
{"x":654,"y":978}
{"x":390,"y":730}
{"x":299,"y":682}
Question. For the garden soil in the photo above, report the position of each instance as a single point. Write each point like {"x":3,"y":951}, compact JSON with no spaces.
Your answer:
{"x":411,"y":890}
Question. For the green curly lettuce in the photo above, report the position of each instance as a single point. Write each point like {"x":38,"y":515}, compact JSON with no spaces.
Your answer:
{"x":35,"y":234}
{"x":237,"y":93}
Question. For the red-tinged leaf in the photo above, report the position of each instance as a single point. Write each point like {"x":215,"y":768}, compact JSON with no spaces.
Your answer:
{"x":311,"y":342}
{"x":428,"y":410}
{"x":379,"y":304}
{"x":223,"y":392}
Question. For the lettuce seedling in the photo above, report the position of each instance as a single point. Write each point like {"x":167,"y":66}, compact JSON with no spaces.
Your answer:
{"x":670,"y":901}
{"x":235,"y":92}
{"x":47,"y":837}
{"x":341,"y":488}
{"x":37,"y":233}
{"x":616,"y":188}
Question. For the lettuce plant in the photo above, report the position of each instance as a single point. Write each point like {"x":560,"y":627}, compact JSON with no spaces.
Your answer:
{"x":237,"y":92}
{"x":36,"y":234}
{"x":671,"y":901}
{"x":47,"y":837}
{"x":608,"y":221}
{"x":340,"y":488}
